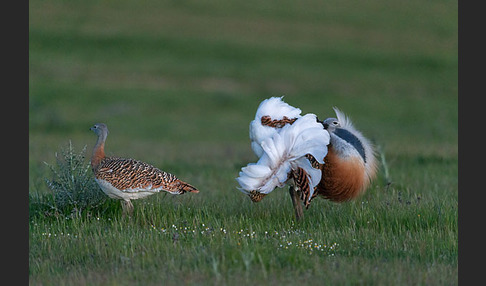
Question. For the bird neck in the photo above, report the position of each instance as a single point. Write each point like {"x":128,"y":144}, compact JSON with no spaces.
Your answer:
{"x":98,"y":151}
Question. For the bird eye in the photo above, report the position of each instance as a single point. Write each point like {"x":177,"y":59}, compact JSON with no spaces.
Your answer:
{"x":335,"y":122}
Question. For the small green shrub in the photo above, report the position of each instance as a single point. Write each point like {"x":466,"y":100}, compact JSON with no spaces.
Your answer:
{"x":73,"y":186}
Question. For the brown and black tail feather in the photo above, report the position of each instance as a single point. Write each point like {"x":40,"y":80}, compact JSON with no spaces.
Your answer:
{"x":185,"y":187}
{"x":267,"y":121}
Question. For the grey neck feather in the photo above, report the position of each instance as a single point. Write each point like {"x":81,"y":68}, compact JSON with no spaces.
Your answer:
{"x":101,"y":138}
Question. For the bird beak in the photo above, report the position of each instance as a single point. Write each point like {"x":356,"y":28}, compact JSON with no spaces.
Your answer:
{"x":325,"y":125}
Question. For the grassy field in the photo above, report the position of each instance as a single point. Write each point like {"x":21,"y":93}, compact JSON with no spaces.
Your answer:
{"x":177,"y":83}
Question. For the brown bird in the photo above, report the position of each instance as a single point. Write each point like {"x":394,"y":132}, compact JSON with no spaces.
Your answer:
{"x":129,"y":179}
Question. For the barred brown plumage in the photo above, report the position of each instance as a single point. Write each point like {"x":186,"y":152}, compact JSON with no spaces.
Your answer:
{"x":276,"y":123}
{"x":129,"y":173}
{"x":301,"y":181}
{"x":256,"y":196}
{"x":128,"y":179}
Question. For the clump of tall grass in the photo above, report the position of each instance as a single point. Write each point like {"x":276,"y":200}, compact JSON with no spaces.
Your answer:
{"x":72,"y":184}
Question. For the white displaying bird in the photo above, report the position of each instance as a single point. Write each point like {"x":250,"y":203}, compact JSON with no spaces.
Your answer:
{"x":330,"y":158}
{"x":284,"y":140}
{"x":129,"y":179}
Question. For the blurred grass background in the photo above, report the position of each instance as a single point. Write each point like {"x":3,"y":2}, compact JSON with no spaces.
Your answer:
{"x":177,"y":83}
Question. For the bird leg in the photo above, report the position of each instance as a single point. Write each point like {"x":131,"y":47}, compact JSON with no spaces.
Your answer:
{"x":296,"y":202}
{"x":127,"y":207}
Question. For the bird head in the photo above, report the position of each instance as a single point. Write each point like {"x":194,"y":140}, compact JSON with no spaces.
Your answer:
{"x":99,"y":129}
{"x":330,"y":124}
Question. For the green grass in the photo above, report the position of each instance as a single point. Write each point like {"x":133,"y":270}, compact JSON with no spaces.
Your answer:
{"x":178,"y":83}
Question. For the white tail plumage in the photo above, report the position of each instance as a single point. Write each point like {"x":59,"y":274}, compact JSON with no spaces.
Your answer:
{"x":276,"y":109}
{"x":285,"y":151}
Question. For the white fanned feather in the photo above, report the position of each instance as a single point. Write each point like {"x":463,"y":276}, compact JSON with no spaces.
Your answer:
{"x":285,"y":151}
{"x":276,"y":108}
